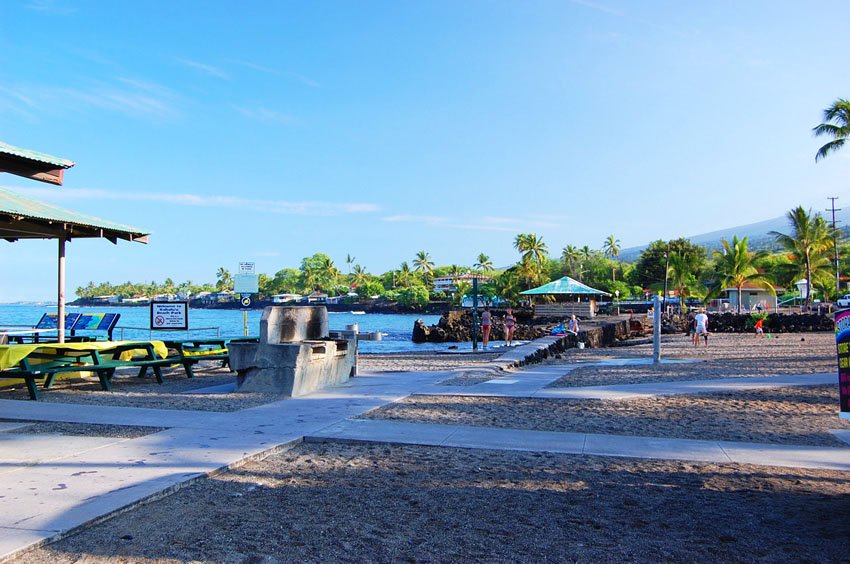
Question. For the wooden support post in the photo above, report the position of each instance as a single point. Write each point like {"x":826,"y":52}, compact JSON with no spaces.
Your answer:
{"x":60,"y":322}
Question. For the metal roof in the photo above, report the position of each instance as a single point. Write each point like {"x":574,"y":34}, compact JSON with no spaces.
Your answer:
{"x":565,"y":285}
{"x":35,"y":156}
{"x":25,"y":218}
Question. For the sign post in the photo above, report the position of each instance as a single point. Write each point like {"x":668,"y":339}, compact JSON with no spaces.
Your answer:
{"x":842,"y":342}
{"x":245,"y":283}
{"x":656,"y":329}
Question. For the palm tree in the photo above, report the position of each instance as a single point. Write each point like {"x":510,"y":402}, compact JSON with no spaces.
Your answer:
{"x":349,"y":260}
{"x":484,"y":264}
{"x":809,"y":242}
{"x":836,"y":124}
{"x":531,"y":247}
{"x":571,"y":257}
{"x":360,"y":275}
{"x":423,"y":265}
{"x":328,"y":271}
{"x":682,"y":268}
{"x":611,"y":246}
{"x":735,"y":266}
{"x":224,"y":279}
{"x":404,"y":274}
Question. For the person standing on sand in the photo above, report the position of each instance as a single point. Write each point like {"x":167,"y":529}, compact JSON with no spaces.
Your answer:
{"x":485,"y":326}
{"x":702,"y":327}
{"x":510,"y":324}
{"x":760,"y":328}
{"x":692,"y":327}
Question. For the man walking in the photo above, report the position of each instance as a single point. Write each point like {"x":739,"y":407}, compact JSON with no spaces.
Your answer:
{"x":702,"y":327}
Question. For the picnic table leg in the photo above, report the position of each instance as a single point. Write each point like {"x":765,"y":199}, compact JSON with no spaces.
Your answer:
{"x":143,"y":371}
{"x":105,"y":377}
{"x":48,"y":382}
{"x":158,"y":373}
{"x":32,"y":388}
{"x":187,"y":365}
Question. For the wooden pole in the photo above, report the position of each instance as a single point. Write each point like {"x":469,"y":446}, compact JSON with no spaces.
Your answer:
{"x":61,"y":291}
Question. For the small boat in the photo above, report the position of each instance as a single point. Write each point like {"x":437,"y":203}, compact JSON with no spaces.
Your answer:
{"x":358,"y":313}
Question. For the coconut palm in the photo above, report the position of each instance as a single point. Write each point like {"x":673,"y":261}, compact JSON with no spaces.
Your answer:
{"x":682,"y":269}
{"x":571,"y":257}
{"x":423,"y":265}
{"x":349,"y":260}
{"x":611,"y":247}
{"x":735,"y":266}
{"x":328,"y":271}
{"x":534,"y":252}
{"x":809,"y":243}
{"x":483,"y":263}
{"x":836,"y":124}
{"x":224,"y":279}
{"x":404,"y":274}
{"x":360,"y":276}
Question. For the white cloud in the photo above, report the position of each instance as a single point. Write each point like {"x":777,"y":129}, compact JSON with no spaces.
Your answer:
{"x":254,"y":66}
{"x":209,"y":201}
{"x":204,"y":68}
{"x":136,"y":98}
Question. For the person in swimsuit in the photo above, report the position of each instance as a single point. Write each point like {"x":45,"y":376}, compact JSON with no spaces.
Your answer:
{"x":486,"y":322}
{"x":573,"y":324}
{"x":510,"y":324}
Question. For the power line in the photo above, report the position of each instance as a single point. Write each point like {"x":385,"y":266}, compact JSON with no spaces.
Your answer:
{"x":833,"y":209}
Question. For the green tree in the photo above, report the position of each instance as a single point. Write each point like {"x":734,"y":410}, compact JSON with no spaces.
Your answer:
{"x":650,"y":266}
{"x":533,"y":252}
{"x":682,"y":277}
{"x":224,"y":280}
{"x":735,"y":267}
{"x":611,"y":246}
{"x":809,"y":243}
{"x":571,"y":257}
{"x":836,"y":124}
{"x":349,"y":260}
{"x":423,"y":265}
{"x":483,"y":263}
{"x":414,"y":296}
{"x":404,"y":274}
{"x":359,"y":275}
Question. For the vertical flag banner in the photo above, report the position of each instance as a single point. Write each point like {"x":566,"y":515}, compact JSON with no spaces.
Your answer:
{"x":842,"y":341}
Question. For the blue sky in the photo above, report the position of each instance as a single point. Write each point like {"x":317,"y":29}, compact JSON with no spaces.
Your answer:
{"x":267,"y":131}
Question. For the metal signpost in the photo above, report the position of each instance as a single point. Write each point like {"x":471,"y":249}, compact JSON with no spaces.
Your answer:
{"x":475,"y":314}
{"x":245,"y":283}
{"x":656,"y":329}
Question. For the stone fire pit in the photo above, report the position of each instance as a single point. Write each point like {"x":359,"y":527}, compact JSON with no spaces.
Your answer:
{"x":296,"y":354}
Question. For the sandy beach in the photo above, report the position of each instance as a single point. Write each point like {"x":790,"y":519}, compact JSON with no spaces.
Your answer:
{"x":377,"y":503}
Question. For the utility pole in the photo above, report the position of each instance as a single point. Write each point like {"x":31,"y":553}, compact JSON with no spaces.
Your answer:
{"x":833,"y":209}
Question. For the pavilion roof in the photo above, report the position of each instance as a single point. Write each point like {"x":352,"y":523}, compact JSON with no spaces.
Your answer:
{"x":33,"y":164}
{"x":25,"y":218}
{"x":565,"y":285}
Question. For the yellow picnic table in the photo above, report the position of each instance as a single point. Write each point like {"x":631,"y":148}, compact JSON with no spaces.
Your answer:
{"x":12,"y":355}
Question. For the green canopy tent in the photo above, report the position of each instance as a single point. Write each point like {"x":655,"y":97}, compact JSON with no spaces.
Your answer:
{"x":568,"y":294}
{"x":25,"y":218}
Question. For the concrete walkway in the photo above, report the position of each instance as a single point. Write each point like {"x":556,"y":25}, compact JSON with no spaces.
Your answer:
{"x":52,"y":486}
{"x":368,"y":430}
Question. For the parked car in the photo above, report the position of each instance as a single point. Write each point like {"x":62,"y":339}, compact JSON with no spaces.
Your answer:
{"x":843,"y":301}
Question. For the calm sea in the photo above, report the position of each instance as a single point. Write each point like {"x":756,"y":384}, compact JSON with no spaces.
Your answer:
{"x":135,"y":321}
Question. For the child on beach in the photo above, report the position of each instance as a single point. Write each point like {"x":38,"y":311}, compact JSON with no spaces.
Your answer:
{"x":573,"y":324}
{"x":510,"y":323}
{"x":760,"y":328}
{"x":486,"y":322}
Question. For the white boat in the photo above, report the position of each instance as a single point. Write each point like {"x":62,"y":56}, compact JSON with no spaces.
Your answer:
{"x":358,"y":313}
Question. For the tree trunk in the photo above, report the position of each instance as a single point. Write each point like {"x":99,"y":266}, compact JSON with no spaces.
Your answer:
{"x":739,"y":299}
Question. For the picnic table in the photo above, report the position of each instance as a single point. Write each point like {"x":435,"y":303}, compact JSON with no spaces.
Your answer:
{"x":37,"y":361}
{"x":192,"y":351}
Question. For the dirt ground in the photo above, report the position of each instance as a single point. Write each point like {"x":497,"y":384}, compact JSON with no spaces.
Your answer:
{"x":793,"y":415}
{"x":376,"y":503}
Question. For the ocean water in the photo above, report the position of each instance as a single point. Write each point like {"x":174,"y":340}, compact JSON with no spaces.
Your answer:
{"x":135,"y":321}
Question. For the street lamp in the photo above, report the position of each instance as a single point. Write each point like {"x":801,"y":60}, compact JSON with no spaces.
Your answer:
{"x":666,"y":272}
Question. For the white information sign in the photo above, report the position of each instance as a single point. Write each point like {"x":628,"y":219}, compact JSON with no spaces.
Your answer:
{"x":170,"y":315}
{"x":247,"y":268}
{"x":246,"y":284}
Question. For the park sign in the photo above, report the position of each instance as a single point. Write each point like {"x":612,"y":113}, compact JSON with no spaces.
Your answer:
{"x":172,"y":316}
{"x":842,"y":341}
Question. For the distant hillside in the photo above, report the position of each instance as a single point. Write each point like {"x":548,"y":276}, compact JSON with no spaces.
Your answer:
{"x":757,"y":233}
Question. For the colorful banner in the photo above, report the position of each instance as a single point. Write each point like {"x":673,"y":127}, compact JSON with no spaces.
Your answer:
{"x":842,"y":341}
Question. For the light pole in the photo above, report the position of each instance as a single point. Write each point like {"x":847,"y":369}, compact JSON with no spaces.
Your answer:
{"x":666,"y":272}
